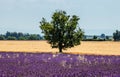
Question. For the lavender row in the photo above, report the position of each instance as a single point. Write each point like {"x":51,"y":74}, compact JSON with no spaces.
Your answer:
{"x":58,"y":65}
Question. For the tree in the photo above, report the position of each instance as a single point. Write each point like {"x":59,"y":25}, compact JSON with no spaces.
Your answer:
{"x":11,"y":38}
{"x":102,"y":37}
{"x":22,"y":38}
{"x":116,"y":35}
{"x":95,"y":37}
{"x":7,"y":34}
{"x":14,"y":34}
{"x":107,"y":38}
{"x":62,"y":31}
{"x":33,"y":37}
{"x":2,"y":37}
{"x":20,"y":34}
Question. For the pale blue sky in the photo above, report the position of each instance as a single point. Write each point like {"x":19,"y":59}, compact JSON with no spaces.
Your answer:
{"x":97,"y":16}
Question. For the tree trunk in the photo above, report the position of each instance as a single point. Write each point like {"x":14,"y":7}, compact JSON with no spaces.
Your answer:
{"x":60,"y":47}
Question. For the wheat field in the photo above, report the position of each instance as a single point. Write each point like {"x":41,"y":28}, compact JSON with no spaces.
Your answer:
{"x":86,"y":47}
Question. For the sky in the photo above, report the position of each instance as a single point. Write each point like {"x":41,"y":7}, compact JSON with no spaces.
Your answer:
{"x":96,"y":16}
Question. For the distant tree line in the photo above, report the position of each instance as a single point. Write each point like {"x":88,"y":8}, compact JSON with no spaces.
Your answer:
{"x":116,"y":35}
{"x":20,"y":36}
{"x":101,"y":37}
{"x":27,"y":36}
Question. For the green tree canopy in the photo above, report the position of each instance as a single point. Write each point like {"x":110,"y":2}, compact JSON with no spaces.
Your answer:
{"x":62,"y":31}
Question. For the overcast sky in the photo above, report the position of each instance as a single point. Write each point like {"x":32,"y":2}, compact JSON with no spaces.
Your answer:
{"x":96,"y":16}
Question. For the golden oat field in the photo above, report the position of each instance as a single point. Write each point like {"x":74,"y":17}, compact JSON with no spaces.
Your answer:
{"x":86,"y":47}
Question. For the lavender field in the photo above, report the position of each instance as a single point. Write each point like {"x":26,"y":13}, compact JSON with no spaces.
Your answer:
{"x":58,"y":65}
